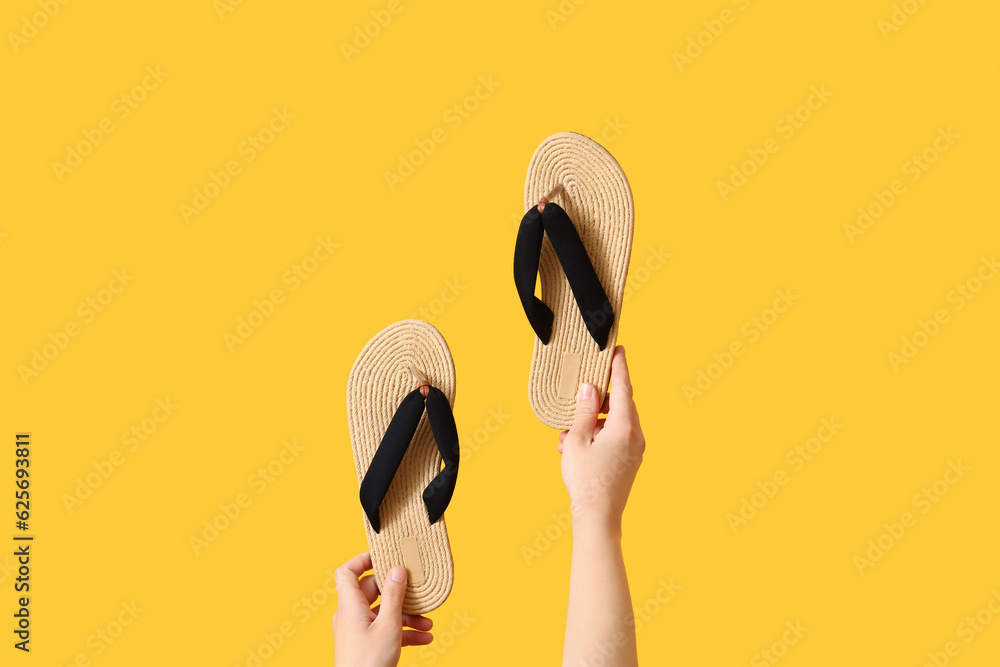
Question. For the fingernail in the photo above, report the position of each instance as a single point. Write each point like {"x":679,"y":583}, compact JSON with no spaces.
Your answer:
{"x":586,"y":391}
{"x":397,"y":574}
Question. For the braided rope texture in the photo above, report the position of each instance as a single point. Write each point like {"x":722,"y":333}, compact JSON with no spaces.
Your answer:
{"x":379,"y":380}
{"x":597,"y":197}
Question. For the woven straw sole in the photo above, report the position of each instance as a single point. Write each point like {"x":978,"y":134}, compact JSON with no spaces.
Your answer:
{"x":379,"y":380}
{"x":597,"y":198}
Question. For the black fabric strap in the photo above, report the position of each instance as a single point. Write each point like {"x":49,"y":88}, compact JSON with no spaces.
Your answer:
{"x":595,"y":307}
{"x":396,"y":441}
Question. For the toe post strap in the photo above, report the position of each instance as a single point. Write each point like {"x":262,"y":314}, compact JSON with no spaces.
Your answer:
{"x":395,"y":442}
{"x":548,"y":218}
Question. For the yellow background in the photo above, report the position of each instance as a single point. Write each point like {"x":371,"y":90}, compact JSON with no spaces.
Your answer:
{"x":608,"y":64}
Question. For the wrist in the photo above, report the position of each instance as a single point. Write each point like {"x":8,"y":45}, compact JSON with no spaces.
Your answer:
{"x":593,"y":525}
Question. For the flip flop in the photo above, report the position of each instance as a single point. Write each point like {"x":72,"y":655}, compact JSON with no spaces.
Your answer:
{"x":399,"y":411}
{"x":578,"y":244}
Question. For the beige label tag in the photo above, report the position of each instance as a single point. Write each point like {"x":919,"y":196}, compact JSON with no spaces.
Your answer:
{"x":569,"y":375}
{"x":411,"y":560}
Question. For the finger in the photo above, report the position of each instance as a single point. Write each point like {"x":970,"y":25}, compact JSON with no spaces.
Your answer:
{"x":606,"y":405}
{"x":620,"y":403}
{"x":582,"y":430}
{"x":393,"y":591}
{"x":562,"y":436}
{"x":369,"y":588}
{"x":414,"y":638}
{"x":349,"y":594}
{"x":417,"y":622}
{"x":359,"y":564}
{"x":559,"y":448}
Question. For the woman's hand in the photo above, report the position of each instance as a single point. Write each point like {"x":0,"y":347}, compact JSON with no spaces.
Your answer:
{"x":600,"y":457}
{"x":373,"y":637}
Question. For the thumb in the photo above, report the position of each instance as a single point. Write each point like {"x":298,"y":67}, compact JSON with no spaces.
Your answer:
{"x":585,"y":420}
{"x":393,"y":591}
